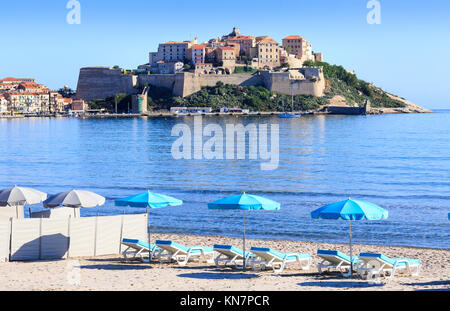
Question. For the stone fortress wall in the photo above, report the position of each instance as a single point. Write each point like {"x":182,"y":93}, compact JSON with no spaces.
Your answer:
{"x":101,"y":82}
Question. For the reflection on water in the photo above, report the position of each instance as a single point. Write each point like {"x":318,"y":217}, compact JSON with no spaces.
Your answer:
{"x":401,"y":162}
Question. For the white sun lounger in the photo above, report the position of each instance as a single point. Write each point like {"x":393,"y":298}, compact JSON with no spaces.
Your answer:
{"x":335,"y":261}
{"x":171,"y":251}
{"x":228,"y":254}
{"x":268,"y":258}
{"x":137,"y":249}
{"x":377,"y":265}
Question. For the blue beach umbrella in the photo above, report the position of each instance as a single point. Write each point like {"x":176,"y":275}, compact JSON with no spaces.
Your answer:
{"x":148,"y":200}
{"x":244,"y":202}
{"x":350,"y":210}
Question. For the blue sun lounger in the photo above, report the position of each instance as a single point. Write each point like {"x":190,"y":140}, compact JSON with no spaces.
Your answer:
{"x":171,"y":251}
{"x":137,"y":248}
{"x":229,"y":254}
{"x":335,"y":261}
{"x":268,"y":258}
{"x":376,"y":265}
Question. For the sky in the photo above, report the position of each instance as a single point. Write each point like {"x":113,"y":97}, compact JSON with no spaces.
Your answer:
{"x":406,"y":54}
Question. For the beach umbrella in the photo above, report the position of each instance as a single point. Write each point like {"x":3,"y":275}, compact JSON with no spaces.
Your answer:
{"x":148,"y":200}
{"x":19,"y":196}
{"x":75,"y":199}
{"x":244,"y":202}
{"x":350,"y":210}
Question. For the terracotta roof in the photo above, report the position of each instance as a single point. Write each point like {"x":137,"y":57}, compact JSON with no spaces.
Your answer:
{"x":226,"y":48}
{"x":10,"y":79}
{"x":292,"y":37}
{"x":267,"y":40}
{"x":175,"y":42}
{"x":261,"y":38}
{"x":197,"y":64}
{"x":198,"y":46}
{"x":238,"y":38}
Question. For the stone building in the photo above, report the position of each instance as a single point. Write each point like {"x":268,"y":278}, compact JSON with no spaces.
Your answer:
{"x":198,"y":53}
{"x":79,"y":106}
{"x":203,"y":68}
{"x":165,"y":68}
{"x":246,"y":44}
{"x":3,"y":104}
{"x":268,"y":53}
{"x":171,"y":51}
{"x":227,"y":56}
{"x":298,"y":46}
{"x":318,"y":57}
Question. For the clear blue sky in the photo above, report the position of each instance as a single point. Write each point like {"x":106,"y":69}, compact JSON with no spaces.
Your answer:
{"x":407,"y":54}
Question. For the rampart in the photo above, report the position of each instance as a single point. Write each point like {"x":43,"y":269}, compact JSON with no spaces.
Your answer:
{"x":101,"y":82}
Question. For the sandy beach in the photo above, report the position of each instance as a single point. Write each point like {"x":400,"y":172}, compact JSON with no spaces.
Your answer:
{"x":111,"y":273}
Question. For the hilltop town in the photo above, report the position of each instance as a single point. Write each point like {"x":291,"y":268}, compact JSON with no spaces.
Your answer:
{"x":234,"y":59}
{"x":223,"y":55}
{"x":233,"y":71}
{"x":248,"y":65}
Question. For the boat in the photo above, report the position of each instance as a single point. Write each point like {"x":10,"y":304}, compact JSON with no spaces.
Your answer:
{"x":290,"y":115}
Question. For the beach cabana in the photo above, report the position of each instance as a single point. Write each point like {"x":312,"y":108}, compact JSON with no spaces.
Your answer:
{"x":148,"y":200}
{"x":15,"y":199}
{"x":350,"y":210}
{"x":244,"y":202}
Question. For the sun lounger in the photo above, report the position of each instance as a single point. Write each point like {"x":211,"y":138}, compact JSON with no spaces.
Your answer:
{"x":268,"y":258}
{"x":335,"y":261}
{"x":228,"y":254}
{"x":137,"y":248}
{"x":377,"y":265}
{"x":172,"y":251}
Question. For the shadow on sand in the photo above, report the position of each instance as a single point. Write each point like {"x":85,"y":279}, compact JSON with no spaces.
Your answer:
{"x":124,"y":266}
{"x":340,"y":282}
{"x":219,"y":275}
{"x":446,"y":285}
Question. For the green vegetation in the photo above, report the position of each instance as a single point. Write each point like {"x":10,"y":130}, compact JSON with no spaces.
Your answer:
{"x":344,"y":83}
{"x":66,"y":92}
{"x":339,"y":82}
{"x":245,"y":69}
{"x":254,"y":98}
{"x":123,"y":103}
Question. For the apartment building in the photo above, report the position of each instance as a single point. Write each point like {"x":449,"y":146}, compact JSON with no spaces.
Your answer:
{"x":227,"y":56}
{"x":298,"y":46}
{"x":268,"y":53}
{"x":246,"y":44}
{"x":3,"y":104}
{"x":198,"y":53}
{"x":28,"y":103}
{"x":171,"y":51}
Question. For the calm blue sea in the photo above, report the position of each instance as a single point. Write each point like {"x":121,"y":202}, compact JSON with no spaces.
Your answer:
{"x":400,"y":162}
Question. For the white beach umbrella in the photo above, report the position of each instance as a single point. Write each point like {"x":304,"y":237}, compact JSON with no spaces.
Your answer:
{"x":19,"y":196}
{"x":75,"y":199}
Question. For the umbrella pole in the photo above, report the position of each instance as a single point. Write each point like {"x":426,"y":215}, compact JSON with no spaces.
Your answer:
{"x":149,"y":237}
{"x":245,"y":258}
{"x":351,"y":255}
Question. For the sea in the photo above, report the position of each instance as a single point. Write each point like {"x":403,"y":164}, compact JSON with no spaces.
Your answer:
{"x":399,"y":161}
